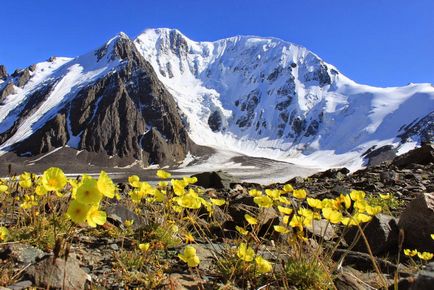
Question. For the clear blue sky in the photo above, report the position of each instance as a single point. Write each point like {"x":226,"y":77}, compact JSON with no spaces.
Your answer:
{"x":377,"y":42}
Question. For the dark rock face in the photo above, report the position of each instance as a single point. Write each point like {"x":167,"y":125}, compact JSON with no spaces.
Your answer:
{"x":215,"y":121}
{"x":423,"y":128}
{"x":21,"y":77}
{"x":425,"y":278}
{"x":381,"y":232}
{"x":3,"y":72}
{"x":127,"y":113}
{"x":417,"y":221}
{"x":423,"y":155}
{"x":6,"y":91}
{"x":376,"y":156}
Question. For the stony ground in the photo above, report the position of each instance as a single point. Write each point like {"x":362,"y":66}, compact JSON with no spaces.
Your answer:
{"x":100,"y":259}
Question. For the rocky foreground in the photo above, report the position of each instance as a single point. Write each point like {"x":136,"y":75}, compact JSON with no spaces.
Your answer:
{"x":111,"y":256}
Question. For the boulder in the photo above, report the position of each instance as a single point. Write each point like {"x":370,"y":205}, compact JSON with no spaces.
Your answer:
{"x":417,"y":221}
{"x":58,"y":273}
{"x":216,"y":179}
{"x":23,"y":253}
{"x":425,"y":278}
{"x":382,"y":234}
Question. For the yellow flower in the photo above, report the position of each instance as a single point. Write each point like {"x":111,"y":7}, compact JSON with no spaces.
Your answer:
{"x":144,"y":247}
{"x":373,"y":210}
{"x":96,"y":217}
{"x":106,"y":185}
{"x":159,"y":195}
{"x":349,"y":221}
{"x":361,"y":205}
{"x":288,"y":188}
{"x":345,"y":200}
{"x":245,"y":253}
{"x":284,"y":210}
{"x":241,"y":230}
{"x":179,"y":186}
{"x":425,"y":256}
{"x":251,"y":220}
{"x":136,"y":195}
{"x":332,"y":215}
{"x":357,"y":195}
{"x":362,"y":218}
{"x":217,"y":202}
{"x":385,"y":196}
{"x":299,"y":193}
{"x":189,"y":256}
{"x":273,"y":193}
{"x":77,"y":211}
{"x":190,"y":180}
{"x":54,"y":179}
{"x":88,"y":192}
{"x":281,"y":229}
{"x":314,"y":203}
{"x":410,"y":253}
{"x":29,"y":202}
{"x":263,"y":266}
{"x":134,"y":181}
{"x":432,"y":236}
{"x":41,"y":190}
{"x":163,"y":174}
{"x":255,"y":192}
{"x":190,"y":200}
{"x":26,"y":180}
{"x":284,"y":200}
{"x":3,"y":188}
{"x":327,"y":202}
{"x":4,"y":234}
{"x":306,"y":213}
{"x":296,"y":222}
{"x":188,"y":237}
{"x":128,"y":223}
{"x":263,"y":201}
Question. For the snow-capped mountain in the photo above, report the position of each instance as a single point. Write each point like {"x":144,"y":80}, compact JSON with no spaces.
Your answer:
{"x":269,"y":98}
{"x":144,"y":99}
{"x":108,"y":102}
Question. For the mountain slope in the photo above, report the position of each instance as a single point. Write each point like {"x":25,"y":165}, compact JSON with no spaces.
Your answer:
{"x":108,"y":101}
{"x":265,"y":97}
{"x":141,"y":101}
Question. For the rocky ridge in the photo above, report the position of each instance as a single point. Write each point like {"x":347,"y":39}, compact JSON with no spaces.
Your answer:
{"x":126,"y":113}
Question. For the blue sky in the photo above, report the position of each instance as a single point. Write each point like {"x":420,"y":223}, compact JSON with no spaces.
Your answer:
{"x":377,"y":42}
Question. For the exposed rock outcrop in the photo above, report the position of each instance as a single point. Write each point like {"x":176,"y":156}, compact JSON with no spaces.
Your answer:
{"x":3,"y":72}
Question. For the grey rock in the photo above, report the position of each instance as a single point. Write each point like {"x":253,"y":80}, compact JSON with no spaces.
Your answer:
{"x":118,"y":214}
{"x":382,"y":234}
{"x":417,"y":221}
{"x":58,"y":274}
{"x":322,"y":228}
{"x":26,"y":284}
{"x":425,"y":278}
{"x":23,"y":253}
{"x":216,"y":179}
{"x":389,"y":176}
